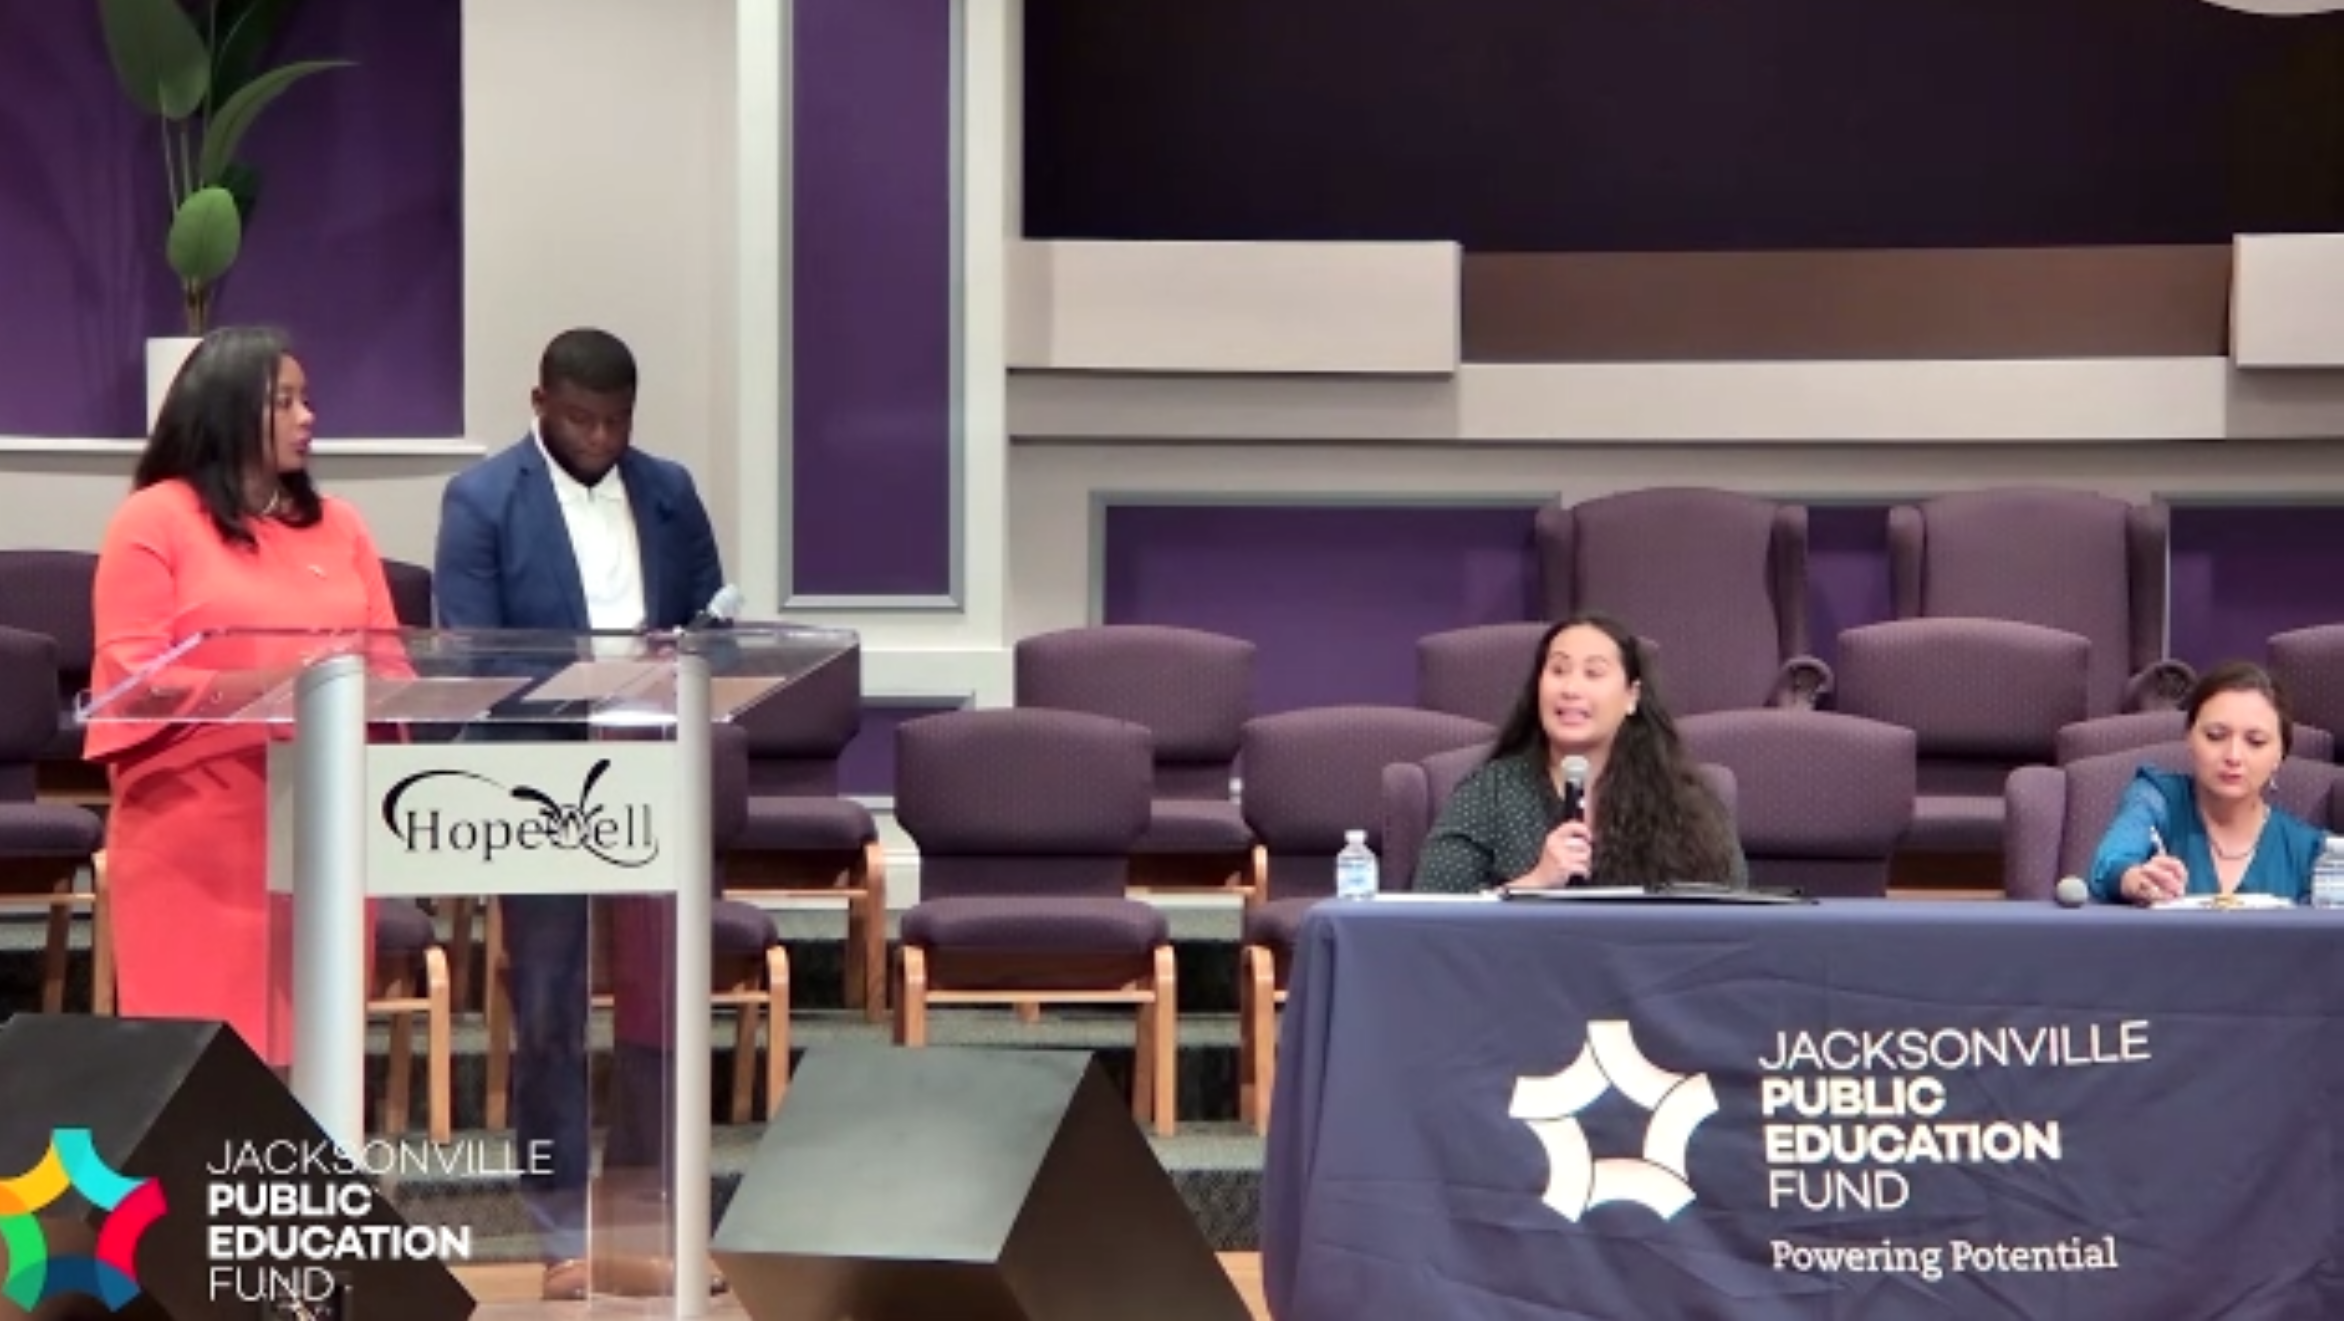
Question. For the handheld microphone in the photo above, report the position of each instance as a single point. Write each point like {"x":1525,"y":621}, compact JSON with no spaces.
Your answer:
{"x":1575,"y":800}
{"x":722,"y":609}
{"x":2071,"y":892}
{"x":1574,"y":788}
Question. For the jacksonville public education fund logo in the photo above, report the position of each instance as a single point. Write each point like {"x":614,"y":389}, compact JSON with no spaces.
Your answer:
{"x":1675,"y":1103}
{"x":72,"y":1164}
{"x":1851,"y":1123}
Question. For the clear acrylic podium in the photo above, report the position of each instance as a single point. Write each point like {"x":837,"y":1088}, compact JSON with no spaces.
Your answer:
{"x":445,"y":763}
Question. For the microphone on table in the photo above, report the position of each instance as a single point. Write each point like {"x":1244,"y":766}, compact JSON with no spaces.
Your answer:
{"x":1574,"y":800}
{"x":722,"y":609}
{"x":2071,"y":892}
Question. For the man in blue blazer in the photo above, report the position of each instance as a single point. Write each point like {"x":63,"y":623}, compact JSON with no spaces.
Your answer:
{"x":571,"y":529}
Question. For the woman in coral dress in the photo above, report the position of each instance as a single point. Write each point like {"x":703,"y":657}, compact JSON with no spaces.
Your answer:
{"x":223,"y":529}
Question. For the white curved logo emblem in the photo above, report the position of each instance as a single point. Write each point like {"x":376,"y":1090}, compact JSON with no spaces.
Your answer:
{"x":2281,"y":8}
{"x":1576,"y":1180}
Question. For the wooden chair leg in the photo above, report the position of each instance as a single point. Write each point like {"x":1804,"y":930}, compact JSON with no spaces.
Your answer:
{"x":1143,"y":1065}
{"x":1029,"y":1011}
{"x":401,"y":1058}
{"x":499,"y":1012}
{"x":101,"y":939}
{"x":462,"y":910}
{"x":776,"y":1029}
{"x":57,"y":956}
{"x":748,"y":1019}
{"x":911,"y":998}
{"x":439,"y":1044}
{"x":1165,"y":1043}
{"x":873,"y":946}
{"x":1258,"y":1060}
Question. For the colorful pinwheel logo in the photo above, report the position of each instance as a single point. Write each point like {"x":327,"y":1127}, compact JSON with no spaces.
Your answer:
{"x":72,"y":1164}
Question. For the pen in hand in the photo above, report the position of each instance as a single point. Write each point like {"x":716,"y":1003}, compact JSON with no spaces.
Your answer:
{"x":2156,"y":850}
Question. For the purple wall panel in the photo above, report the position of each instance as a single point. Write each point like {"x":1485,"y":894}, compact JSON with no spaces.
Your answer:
{"x":2241,"y":574}
{"x":356,"y":248}
{"x":867,"y":767}
{"x":1334,"y":597}
{"x":872,"y":292}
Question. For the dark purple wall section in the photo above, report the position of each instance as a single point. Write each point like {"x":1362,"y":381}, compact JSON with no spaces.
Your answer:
{"x":1334,"y":597}
{"x":867,"y":768}
{"x":871,"y":482}
{"x":357,"y":246}
{"x":2241,"y":574}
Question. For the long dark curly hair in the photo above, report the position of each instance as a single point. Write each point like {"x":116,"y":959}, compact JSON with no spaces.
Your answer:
{"x":1656,"y":819}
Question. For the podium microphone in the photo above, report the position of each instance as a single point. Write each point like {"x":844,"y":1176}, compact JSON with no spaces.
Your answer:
{"x":722,"y":609}
{"x":2071,"y":892}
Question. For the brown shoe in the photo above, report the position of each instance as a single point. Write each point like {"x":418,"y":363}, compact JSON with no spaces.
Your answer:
{"x":565,"y":1282}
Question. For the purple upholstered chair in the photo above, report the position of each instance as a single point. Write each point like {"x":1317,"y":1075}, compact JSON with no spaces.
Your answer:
{"x":1823,"y":799}
{"x":2018,"y":611}
{"x":2057,"y":814}
{"x":1416,"y":791}
{"x":1025,"y":822}
{"x":43,"y":846}
{"x":48,"y":592}
{"x":2309,"y":664}
{"x":800,"y":837}
{"x":2147,"y":729}
{"x":1310,"y":776}
{"x":1717,"y":578}
{"x":1193,"y":692}
{"x":411,"y":597}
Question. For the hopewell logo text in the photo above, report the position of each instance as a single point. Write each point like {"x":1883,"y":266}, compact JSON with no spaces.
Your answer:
{"x":1610,"y":1061}
{"x":472,"y":815}
{"x":72,"y":1164}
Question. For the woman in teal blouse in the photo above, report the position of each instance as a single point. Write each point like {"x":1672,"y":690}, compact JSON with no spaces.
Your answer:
{"x":2214,"y":830}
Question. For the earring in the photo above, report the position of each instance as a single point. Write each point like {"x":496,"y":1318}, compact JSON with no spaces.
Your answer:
{"x":2271,"y":786}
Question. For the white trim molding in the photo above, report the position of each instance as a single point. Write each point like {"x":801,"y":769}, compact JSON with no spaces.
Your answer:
{"x":1884,"y":404}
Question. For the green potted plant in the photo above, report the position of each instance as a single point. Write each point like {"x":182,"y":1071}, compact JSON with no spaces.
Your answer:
{"x":196,"y":66}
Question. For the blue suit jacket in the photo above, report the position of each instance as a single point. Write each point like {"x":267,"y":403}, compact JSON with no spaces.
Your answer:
{"x":503,"y":558}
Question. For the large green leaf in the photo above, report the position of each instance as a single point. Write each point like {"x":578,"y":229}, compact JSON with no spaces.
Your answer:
{"x":205,"y":236}
{"x":158,"y":55}
{"x":242,"y":32}
{"x":225,"y":130}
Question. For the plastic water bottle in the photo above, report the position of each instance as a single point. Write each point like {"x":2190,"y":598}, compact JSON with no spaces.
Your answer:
{"x":1355,"y":867}
{"x":2327,"y":875}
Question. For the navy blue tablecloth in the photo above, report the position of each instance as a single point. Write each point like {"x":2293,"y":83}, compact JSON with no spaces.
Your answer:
{"x":1865,"y":1109}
